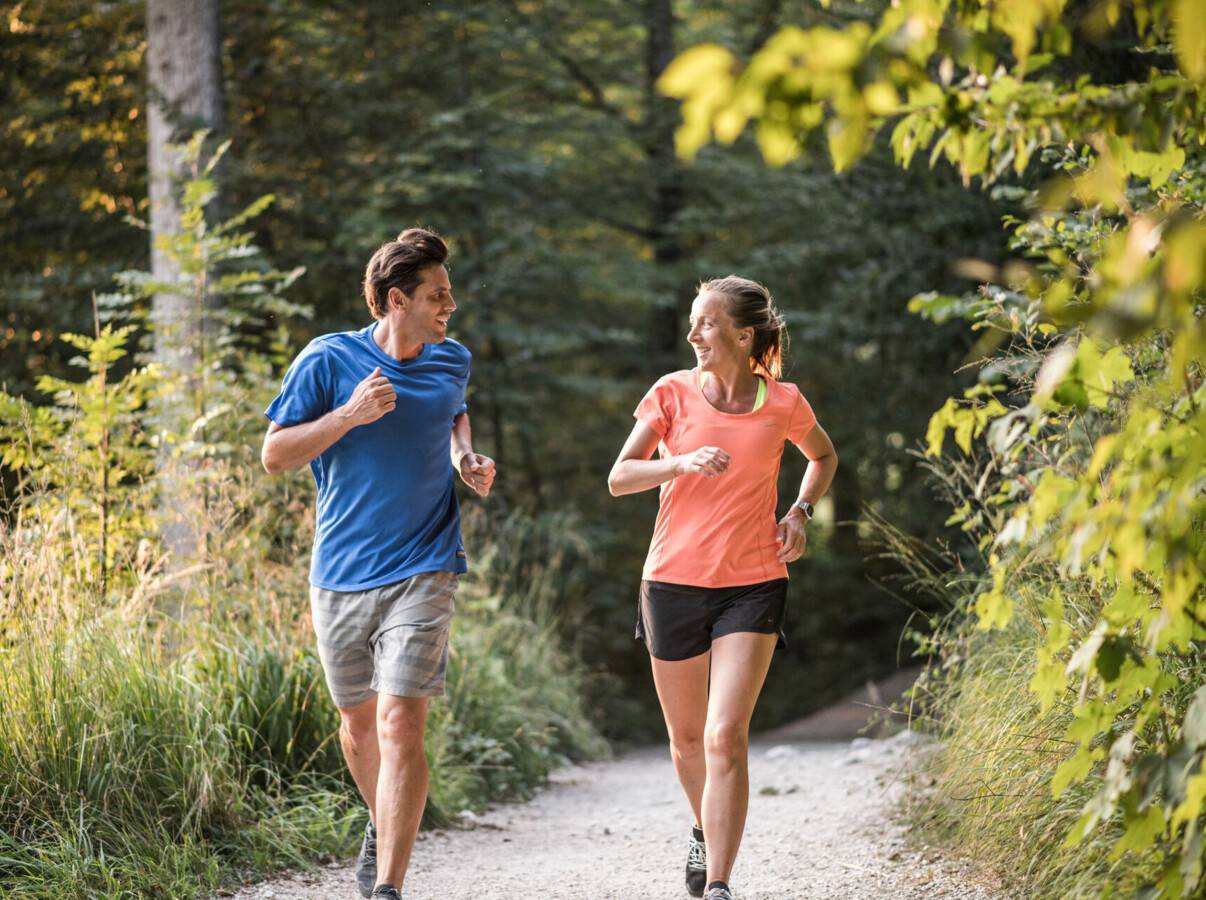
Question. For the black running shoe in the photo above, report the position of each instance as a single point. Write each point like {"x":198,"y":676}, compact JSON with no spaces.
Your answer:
{"x":366,"y":862}
{"x":697,"y":863}
{"x":389,"y":892}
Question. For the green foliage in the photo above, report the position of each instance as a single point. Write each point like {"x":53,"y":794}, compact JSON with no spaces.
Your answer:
{"x":1096,"y":479}
{"x":1087,"y":497}
{"x":220,"y":342}
{"x":165,"y":734}
{"x":84,"y":458}
{"x":992,"y":105}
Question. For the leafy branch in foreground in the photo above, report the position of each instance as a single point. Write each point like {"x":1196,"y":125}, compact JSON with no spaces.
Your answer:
{"x":1090,"y":503}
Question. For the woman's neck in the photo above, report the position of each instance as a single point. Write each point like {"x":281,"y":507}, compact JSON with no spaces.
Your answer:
{"x":733,"y":390}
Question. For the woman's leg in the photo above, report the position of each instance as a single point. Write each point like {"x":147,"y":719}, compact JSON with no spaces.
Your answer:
{"x":739,"y":665}
{"x":682,"y":690}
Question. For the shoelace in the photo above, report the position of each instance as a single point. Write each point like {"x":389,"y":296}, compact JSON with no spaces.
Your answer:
{"x":718,"y":894}
{"x":697,"y":854}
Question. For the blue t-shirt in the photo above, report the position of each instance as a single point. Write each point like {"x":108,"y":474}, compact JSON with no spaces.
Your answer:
{"x":387,"y":506}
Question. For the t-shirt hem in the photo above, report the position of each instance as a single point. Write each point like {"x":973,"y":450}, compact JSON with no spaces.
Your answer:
{"x":458,"y":566}
{"x":714,"y":583}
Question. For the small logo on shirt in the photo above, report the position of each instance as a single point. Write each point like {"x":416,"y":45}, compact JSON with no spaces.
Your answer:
{"x":460,"y":554}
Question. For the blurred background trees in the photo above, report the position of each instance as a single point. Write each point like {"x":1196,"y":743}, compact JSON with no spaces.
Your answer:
{"x":531,"y":135}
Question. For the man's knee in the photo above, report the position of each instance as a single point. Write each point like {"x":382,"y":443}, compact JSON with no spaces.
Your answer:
{"x":401,"y":722}
{"x":359,"y":723}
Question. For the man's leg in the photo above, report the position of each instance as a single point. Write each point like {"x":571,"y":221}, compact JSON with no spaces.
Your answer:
{"x":358,"y":737}
{"x":739,"y":665}
{"x":401,"y":791}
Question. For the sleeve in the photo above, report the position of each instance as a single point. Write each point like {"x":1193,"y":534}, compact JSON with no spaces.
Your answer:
{"x":464,"y":407}
{"x":655,"y":408}
{"x":802,"y":419}
{"x":308,"y":391}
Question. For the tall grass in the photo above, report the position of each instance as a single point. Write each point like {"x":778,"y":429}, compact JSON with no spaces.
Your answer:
{"x":993,"y":773}
{"x":148,"y":754}
{"x":988,"y":787}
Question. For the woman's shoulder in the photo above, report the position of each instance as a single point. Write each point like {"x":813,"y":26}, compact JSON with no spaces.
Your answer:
{"x":783,"y":390}
{"x":674,"y":380}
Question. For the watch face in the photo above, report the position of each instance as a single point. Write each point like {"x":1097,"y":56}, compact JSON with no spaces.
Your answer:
{"x":806,"y":508}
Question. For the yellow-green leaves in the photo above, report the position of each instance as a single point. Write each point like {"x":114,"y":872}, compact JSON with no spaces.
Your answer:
{"x":967,"y":419}
{"x":1189,"y":38}
{"x":994,"y":608}
{"x":1020,"y":21}
{"x":702,"y":77}
{"x":1082,"y":376}
{"x":786,"y":89}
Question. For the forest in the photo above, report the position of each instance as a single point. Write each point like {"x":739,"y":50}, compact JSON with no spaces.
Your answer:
{"x":978,"y":218}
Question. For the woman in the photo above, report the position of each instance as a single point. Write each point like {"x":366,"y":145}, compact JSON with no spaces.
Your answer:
{"x":714,"y":584}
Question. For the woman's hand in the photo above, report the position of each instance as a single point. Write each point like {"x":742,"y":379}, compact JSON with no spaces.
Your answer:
{"x":791,"y":537}
{"x":706,"y":461}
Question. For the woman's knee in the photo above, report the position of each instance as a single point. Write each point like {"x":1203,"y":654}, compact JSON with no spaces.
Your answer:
{"x":686,"y":742}
{"x":727,"y":740}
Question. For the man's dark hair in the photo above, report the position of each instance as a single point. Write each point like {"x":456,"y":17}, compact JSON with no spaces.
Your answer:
{"x":400,"y":264}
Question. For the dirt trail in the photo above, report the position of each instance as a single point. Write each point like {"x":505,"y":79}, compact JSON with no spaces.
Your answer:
{"x":820,"y":826}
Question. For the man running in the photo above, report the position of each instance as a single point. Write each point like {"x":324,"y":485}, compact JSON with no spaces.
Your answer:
{"x":375,"y":413}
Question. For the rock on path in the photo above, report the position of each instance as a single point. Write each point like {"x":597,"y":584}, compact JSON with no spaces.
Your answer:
{"x":820,"y":826}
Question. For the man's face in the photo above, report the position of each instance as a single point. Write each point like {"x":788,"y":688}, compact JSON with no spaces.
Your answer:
{"x":429,"y":306}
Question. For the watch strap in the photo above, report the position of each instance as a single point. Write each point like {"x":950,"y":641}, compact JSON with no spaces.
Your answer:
{"x":805,"y":507}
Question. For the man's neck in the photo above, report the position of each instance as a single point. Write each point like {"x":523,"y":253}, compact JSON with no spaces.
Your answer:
{"x":391,"y":337}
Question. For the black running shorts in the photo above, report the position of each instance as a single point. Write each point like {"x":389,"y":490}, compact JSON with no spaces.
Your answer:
{"x":679,"y":621}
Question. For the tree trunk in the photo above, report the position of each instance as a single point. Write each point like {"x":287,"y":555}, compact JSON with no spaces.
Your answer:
{"x":661,"y":118}
{"x":185,"y":78}
{"x":185,"y":84}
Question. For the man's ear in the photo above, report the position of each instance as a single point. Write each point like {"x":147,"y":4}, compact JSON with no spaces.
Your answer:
{"x":397,"y":298}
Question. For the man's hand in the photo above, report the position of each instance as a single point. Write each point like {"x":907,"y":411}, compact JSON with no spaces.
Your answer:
{"x":477,"y":471}
{"x":371,"y":399}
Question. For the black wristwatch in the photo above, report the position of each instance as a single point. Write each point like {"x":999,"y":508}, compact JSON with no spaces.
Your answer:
{"x":806,"y":508}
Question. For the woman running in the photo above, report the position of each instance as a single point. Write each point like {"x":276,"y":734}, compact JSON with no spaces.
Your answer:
{"x":714,"y":585}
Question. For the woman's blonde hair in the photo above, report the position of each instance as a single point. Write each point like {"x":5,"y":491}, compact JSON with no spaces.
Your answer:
{"x":751,"y":306}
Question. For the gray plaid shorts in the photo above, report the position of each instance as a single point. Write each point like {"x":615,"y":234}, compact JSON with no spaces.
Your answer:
{"x":391,"y":639}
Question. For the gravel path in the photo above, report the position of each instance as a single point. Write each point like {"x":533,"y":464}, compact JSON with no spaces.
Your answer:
{"x":820,"y":826}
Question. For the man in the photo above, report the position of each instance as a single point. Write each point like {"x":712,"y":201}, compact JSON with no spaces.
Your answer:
{"x":374,"y":413}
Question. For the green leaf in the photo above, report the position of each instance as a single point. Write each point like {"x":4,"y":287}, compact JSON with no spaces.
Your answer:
{"x":1075,"y":768}
{"x":1189,"y":38}
{"x":1114,"y":651}
{"x":993,"y":608}
{"x":1194,"y":730}
{"x":1142,"y":832}
{"x":1049,"y":680}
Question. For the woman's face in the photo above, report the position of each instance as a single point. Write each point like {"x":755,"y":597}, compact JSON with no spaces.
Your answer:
{"x":718,"y":343}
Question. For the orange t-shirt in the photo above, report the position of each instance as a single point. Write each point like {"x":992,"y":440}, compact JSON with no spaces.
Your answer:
{"x":720,"y":532}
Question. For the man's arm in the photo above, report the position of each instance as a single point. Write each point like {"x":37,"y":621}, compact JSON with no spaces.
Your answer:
{"x":287,"y":447}
{"x":476,"y":470}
